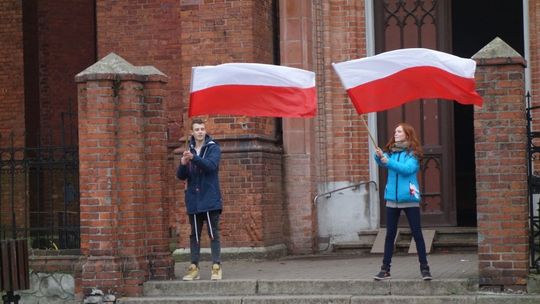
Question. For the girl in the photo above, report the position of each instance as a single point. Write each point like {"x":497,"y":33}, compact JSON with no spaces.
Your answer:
{"x":401,"y":158}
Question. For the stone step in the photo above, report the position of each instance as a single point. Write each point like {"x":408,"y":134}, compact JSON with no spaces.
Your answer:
{"x":447,"y":239}
{"x":403,"y":246}
{"x":338,"y":299}
{"x":309,"y":287}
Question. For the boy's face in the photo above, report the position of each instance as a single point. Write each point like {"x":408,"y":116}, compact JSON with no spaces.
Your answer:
{"x":198,"y":131}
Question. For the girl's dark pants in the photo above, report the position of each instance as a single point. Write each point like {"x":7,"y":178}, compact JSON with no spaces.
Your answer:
{"x":392,"y":218}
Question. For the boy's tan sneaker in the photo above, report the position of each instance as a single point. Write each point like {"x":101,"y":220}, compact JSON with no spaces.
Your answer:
{"x":192,"y":273}
{"x":216,"y":272}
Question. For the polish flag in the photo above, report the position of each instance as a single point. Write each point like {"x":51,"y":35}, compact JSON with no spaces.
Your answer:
{"x":252,"y":89}
{"x":393,"y":78}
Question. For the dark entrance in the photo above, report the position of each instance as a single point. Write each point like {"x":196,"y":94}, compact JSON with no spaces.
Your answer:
{"x":470,"y":32}
{"x":462,"y":28}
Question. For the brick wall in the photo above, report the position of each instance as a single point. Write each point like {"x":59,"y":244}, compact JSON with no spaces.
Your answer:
{"x":147,"y":32}
{"x":345,"y":137}
{"x":251,"y":188}
{"x":37,"y":85}
{"x":222,"y":32}
{"x":12,"y":71}
{"x":174,"y":36}
{"x":250,"y":169}
{"x":501,"y":171}
{"x":11,"y":107}
{"x":66,"y":46}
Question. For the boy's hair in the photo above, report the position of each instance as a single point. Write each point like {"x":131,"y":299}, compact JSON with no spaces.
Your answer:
{"x":196,"y":121}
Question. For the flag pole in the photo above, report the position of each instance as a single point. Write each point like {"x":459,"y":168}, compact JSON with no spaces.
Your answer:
{"x":186,"y":131}
{"x":369,"y":133}
{"x":361,"y":115}
{"x":187,"y":128}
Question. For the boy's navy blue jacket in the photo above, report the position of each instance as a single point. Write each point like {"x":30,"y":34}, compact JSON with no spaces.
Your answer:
{"x":203,"y":193}
{"x":401,"y":184}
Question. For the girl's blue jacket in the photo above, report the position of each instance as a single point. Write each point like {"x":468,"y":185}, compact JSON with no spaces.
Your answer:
{"x":401,"y":184}
{"x":203,"y":192}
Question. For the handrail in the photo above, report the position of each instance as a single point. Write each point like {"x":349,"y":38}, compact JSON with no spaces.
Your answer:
{"x":329,"y":193}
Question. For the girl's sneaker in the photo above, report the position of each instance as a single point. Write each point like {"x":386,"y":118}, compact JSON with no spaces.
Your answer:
{"x":424,"y":270}
{"x":384,"y":274}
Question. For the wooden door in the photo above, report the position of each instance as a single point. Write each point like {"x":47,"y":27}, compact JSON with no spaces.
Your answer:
{"x":414,"y":23}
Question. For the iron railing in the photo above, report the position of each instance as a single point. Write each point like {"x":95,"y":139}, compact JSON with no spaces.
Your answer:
{"x":39,"y":192}
{"x":533,"y":186}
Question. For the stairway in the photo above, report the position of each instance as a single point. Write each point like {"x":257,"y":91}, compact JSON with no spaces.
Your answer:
{"x":447,"y":239}
{"x":315,"y":291}
{"x":330,"y":278}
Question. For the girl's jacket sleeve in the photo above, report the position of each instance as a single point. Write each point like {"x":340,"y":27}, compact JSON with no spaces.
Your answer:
{"x":378,"y":160}
{"x":407,"y":166}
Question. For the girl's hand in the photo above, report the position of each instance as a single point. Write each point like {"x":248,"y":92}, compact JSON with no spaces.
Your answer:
{"x":381,"y":155}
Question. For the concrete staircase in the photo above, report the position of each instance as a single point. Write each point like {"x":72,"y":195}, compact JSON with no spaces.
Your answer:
{"x":447,"y":239}
{"x":459,"y":291}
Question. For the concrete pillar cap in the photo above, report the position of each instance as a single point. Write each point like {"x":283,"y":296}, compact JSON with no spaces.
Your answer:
{"x":497,"y":48}
{"x":113,"y":64}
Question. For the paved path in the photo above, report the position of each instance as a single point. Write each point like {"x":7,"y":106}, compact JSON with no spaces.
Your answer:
{"x":404,"y":266}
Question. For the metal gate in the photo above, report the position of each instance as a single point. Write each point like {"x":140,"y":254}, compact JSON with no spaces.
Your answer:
{"x":39,"y":193}
{"x":533,"y":183}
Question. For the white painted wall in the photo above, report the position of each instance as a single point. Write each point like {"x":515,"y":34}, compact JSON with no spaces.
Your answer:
{"x":343,"y":214}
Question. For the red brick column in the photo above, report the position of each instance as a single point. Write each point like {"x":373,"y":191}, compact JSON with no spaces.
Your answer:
{"x":501,"y":172}
{"x":12,"y":110}
{"x":298,"y":134}
{"x":122,"y":148}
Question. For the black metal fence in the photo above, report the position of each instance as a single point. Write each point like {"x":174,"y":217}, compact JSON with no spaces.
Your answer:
{"x":533,"y":184}
{"x":39,"y":193}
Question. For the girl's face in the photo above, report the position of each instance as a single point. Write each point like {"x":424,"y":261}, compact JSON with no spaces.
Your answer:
{"x":399,"y":134}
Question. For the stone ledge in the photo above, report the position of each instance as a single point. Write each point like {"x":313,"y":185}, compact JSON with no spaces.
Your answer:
{"x":533,"y":283}
{"x":235,"y":253}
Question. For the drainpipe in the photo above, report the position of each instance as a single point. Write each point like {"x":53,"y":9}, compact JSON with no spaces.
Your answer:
{"x":374,"y":219}
{"x":526,"y":45}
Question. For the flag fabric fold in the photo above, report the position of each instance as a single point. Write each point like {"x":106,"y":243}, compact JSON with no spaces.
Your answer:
{"x":252,"y":89}
{"x":393,"y":78}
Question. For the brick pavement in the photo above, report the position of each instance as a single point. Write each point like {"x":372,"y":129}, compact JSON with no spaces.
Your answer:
{"x":404,"y":266}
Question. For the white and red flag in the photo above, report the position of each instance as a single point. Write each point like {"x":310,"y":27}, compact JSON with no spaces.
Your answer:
{"x":252,"y":89}
{"x":393,"y":78}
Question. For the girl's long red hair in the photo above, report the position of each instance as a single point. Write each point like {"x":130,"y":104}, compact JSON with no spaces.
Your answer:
{"x":414,"y":143}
